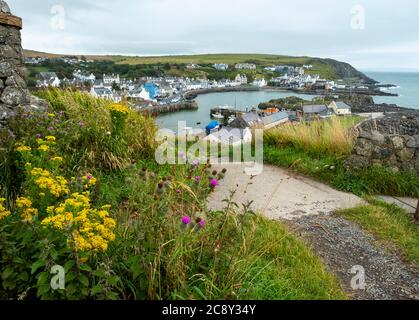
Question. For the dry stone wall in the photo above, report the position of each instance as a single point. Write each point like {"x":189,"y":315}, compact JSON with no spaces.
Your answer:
{"x":392,"y":141}
{"x":13,"y":90}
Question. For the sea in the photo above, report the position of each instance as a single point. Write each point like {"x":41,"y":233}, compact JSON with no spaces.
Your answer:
{"x":406,"y":85}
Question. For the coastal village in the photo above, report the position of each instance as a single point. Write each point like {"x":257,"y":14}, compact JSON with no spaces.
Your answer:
{"x":162,"y":93}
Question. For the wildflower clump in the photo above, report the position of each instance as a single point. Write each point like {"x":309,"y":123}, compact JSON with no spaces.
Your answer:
{"x":3,"y":212}
{"x":87,"y":229}
{"x":119,"y":114}
{"x":47,"y":182}
{"x":24,"y":207}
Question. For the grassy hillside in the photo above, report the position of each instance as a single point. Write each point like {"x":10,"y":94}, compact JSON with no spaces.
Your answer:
{"x":326,"y":68}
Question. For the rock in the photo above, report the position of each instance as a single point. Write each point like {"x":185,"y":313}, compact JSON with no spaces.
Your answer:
{"x":357,"y":162}
{"x":406,"y":154}
{"x":4,"y":7}
{"x":5,"y":69}
{"x":413,"y":142}
{"x":13,"y":96}
{"x":364,"y":147}
{"x":373,"y":135}
{"x":381,"y":153}
{"x":15,"y":80}
{"x":397,"y":142}
{"x":1,"y":85}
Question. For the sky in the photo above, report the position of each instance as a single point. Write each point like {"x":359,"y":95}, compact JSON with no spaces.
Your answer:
{"x":372,"y":35}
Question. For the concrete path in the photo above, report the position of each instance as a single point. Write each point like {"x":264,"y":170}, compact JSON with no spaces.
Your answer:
{"x":279,"y":194}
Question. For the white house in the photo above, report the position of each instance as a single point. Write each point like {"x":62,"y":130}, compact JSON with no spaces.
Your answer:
{"x":245,"y":66}
{"x":340,"y":108}
{"x":111,"y":79}
{"x":48,"y":79}
{"x":105,"y":93}
{"x":260,"y":83}
{"x":241,"y":79}
{"x":221,"y":66}
{"x":231,"y":136}
{"x":80,"y":76}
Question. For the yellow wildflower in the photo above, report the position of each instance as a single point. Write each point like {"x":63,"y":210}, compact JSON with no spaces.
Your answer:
{"x":117,"y":107}
{"x":27,"y":212}
{"x":50,"y":138}
{"x":58,"y":159}
{"x":3,"y":212}
{"x":23,"y":148}
{"x":43,"y":147}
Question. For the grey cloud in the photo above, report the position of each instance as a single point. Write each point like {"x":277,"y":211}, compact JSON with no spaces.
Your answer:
{"x":157,"y":27}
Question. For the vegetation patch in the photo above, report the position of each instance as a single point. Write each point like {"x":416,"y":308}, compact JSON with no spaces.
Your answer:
{"x":80,"y":189}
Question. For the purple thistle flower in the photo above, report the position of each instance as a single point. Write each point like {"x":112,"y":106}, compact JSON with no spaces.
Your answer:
{"x":38,"y":135}
{"x":214,"y":183}
{"x":202,"y":223}
{"x":89,"y":176}
{"x":51,"y":128}
{"x":198,"y":178}
{"x":178,"y":191}
{"x":186,"y":220}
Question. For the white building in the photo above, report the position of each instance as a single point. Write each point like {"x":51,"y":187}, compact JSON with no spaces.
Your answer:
{"x":80,"y":76}
{"x":260,"y":82}
{"x":245,"y":66}
{"x":111,"y":79}
{"x":105,"y":93}
{"x":241,"y":79}
{"x":221,"y":66}
{"x":340,"y":108}
{"x":231,"y":136}
{"x":48,"y":79}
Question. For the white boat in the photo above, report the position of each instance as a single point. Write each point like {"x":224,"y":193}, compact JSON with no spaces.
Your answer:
{"x":218,"y":116}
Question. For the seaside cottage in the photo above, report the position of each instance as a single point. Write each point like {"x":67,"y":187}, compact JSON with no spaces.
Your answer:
{"x":340,"y":108}
{"x":231,"y":136}
{"x":48,"y":79}
{"x":315,"y":111}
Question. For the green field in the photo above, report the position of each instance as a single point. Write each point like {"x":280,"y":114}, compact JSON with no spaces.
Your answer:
{"x":176,"y":64}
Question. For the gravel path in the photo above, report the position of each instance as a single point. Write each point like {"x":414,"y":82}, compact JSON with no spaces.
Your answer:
{"x":343,"y":244}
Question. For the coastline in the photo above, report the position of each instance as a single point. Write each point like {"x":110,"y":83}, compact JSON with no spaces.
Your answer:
{"x":358,"y":108}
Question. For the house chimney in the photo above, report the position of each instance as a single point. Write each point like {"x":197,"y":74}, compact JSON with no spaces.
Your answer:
{"x":13,"y":89}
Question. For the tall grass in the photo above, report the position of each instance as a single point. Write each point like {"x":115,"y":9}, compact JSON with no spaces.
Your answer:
{"x":331,"y":136}
{"x":92,"y":144}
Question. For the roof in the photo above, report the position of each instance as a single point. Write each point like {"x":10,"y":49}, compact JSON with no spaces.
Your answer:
{"x":239,"y":123}
{"x":230,"y":135}
{"x":47,"y":75}
{"x":279,"y":116}
{"x":342,"y":105}
{"x":102,"y":91}
{"x":251,"y":117}
{"x":314,"y":108}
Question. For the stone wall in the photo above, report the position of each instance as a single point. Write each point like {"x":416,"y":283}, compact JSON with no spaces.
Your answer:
{"x":13,"y":90}
{"x":392,"y":141}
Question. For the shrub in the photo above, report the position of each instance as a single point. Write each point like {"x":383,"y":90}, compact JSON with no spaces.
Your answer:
{"x":329,"y":136}
{"x":52,"y":222}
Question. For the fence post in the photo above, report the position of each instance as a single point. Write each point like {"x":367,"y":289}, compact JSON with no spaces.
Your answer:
{"x":417,"y":213}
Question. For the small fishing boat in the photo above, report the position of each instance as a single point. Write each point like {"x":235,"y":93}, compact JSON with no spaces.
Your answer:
{"x":218,"y":116}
